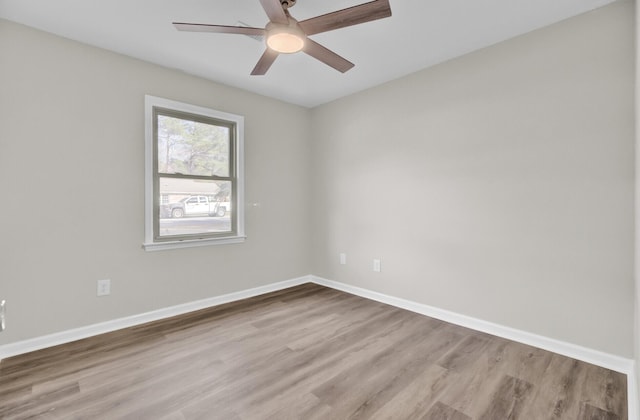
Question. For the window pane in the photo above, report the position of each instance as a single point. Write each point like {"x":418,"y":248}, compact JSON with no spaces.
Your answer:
{"x":192,"y":148}
{"x":194,"y":207}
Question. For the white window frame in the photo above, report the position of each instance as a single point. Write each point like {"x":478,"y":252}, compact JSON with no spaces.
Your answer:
{"x":151,"y":196}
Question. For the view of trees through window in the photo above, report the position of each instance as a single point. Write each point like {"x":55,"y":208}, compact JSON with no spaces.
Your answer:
{"x":192,"y":148}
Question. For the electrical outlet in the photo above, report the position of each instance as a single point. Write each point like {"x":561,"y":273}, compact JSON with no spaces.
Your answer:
{"x":3,"y":314}
{"x":343,"y":258}
{"x":376,"y":265}
{"x":104,"y":287}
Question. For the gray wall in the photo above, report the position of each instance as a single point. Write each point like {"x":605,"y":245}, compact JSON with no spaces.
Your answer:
{"x":499,"y":185}
{"x":72,"y":171}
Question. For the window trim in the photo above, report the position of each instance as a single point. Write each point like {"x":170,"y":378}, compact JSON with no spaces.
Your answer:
{"x":149,"y":243}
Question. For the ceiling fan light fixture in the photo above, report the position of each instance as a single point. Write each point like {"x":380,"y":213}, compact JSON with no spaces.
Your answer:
{"x":285,"y":39}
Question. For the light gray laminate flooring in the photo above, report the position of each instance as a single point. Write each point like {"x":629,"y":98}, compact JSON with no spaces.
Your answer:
{"x":307,"y":352}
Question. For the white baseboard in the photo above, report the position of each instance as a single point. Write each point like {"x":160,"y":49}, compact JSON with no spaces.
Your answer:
{"x":609,"y":361}
{"x":38,"y":343}
{"x":606,"y":360}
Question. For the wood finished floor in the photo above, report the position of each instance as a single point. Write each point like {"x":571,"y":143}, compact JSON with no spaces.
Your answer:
{"x":307,"y":352}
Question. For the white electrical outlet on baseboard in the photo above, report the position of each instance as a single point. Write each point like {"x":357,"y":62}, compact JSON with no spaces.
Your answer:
{"x":343,"y":258}
{"x":104,"y":287}
{"x":376,"y":265}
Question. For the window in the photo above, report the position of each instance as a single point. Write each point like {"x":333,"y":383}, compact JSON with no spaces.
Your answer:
{"x":194,"y":182}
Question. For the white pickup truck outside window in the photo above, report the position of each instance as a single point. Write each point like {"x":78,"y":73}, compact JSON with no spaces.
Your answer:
{"x":194,"y":175}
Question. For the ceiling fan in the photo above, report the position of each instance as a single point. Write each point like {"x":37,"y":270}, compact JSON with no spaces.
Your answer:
{"x":285,"y":35}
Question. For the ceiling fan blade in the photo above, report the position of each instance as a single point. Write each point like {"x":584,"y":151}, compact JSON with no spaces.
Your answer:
{"x":273,"y":9}
{"x":221,"y":29}
{"x":265,"y":62}
{"x":355,"y":15}
{"x":327,"y":56}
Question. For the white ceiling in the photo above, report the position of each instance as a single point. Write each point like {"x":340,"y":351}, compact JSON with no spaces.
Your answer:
{"x":420,"y":33}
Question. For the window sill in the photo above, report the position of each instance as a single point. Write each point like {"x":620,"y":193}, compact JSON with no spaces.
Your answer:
{"x":162,"y":246}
